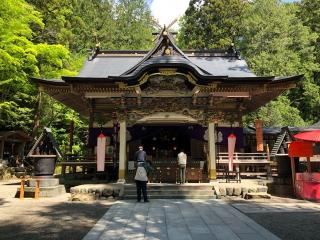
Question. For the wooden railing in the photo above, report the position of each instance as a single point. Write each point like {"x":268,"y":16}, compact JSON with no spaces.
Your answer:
{"x":245,"y":158}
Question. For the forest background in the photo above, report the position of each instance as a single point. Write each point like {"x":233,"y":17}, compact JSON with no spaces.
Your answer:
{"x":53,"y":38}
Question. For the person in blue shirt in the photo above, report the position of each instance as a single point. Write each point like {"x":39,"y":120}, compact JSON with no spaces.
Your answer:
{"x":140,"y":155}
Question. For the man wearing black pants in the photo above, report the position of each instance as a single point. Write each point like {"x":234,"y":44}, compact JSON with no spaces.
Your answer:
{"x":141,"y":175}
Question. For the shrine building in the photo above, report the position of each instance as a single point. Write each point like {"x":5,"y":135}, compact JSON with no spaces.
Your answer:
{"x":167,"y":99}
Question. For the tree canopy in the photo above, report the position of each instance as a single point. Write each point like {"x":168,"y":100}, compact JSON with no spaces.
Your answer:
{"x":209,"y":24}
{"x":81,"y":24}
{"x":50,"y":39}
{"x":273,"y":38}
{"x":21,"y":58}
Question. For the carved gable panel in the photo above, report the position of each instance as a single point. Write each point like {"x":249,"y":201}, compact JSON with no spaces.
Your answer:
{"x":158,"y":84}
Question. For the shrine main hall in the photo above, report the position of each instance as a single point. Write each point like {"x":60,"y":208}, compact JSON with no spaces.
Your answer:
{"x":167,"y":99}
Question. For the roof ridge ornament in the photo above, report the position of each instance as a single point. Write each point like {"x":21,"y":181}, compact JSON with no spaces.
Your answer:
{"x":94,"y":52}
{"x":232,"y":50}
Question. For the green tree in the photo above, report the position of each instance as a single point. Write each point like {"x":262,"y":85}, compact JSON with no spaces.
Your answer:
{"x":56,"y":16}
{"x":271,"y":38}
{"x":309,"y":13}
{"x":275,"y":42}
{"x":277,"y":114}
{"x":81,"y":24}
{"x":209,"y":24}
{"x":92,"y":23}
{"x":134,"y":25}
{"x":20,"y":59}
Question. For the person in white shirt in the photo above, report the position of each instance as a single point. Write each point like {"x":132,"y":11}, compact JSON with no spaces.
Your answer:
{"x":182,"y":162}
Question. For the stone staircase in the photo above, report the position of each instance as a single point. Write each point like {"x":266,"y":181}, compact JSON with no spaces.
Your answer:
{"x":172,"y":191}
{"x":215,"y":190}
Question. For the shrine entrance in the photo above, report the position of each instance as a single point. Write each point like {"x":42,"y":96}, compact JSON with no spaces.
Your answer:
{"x":165,"y":142}
{"x":162,"y":144}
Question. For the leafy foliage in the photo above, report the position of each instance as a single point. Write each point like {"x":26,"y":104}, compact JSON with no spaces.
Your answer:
{"x":80,"y":24}
{"x":209,"y":24}
{"x":21,"y":58}
{"x":277,"y":113}
{"x":283,"y":46}
{"x":36,"y":38}
{"x":272,"y":39}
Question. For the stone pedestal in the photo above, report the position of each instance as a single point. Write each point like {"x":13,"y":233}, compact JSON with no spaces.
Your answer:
{"x":49,"y":187}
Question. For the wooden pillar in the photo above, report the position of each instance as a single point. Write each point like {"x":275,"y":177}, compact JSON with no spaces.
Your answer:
{"x":91,"y":122}
{"x":212,"y":151}
{"x":122,"y":151}
{"x":71,"y":135}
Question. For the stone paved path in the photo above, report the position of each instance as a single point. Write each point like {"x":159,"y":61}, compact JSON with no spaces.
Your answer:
{"x":176,"y":219}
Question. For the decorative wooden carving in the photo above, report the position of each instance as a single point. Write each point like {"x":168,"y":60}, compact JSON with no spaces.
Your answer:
{"x":159,"y":83}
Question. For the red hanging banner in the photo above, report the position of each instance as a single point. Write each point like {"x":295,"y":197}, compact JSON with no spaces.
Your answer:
{"x":101,"y":152}
{"x":259,"y":135}
{"x":231,"y":146}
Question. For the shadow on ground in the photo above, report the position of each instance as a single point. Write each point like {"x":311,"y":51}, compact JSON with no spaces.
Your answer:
{"x":10,"y":184}
{"x":66,"y":220}
{"x":3,"y":201}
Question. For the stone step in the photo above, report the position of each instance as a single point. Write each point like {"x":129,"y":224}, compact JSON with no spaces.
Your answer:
{"x":172,"y":192}
{"x":172,"y":196}
{"x":172,"y":187}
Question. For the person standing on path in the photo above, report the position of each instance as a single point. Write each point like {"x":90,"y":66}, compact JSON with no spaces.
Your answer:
{"x":141,"y":177}
{"x":182,"y":162}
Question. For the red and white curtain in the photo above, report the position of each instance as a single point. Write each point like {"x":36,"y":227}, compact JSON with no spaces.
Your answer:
{"x":101,"y":152}
{"x":231,"y":146}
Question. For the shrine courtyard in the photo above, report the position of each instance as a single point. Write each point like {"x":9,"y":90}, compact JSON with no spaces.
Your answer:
{"x":230,"y":218}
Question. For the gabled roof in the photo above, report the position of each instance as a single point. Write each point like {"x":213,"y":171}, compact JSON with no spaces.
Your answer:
{"x":14,"y":136}
{"x":221,"y":76}
{"x":206,"y":67}
{"x":130,"y":64}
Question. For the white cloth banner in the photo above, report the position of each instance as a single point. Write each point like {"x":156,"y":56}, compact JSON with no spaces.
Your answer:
{"x":101,"y":152}
{"x":231,"y":145}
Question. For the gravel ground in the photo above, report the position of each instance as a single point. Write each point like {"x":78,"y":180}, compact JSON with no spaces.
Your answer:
{"x":50,"y":218}
{"x":291,"y":226}
{"x":278,"y":216}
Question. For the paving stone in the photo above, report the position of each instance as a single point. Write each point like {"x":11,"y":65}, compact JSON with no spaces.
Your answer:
{"x":203,"y":236}
{"x":240,"y":227}
{"x":177,"y":233}
{"x":250,"y":236}
{"x":222,"y":232}
{"x":199,"y":229}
